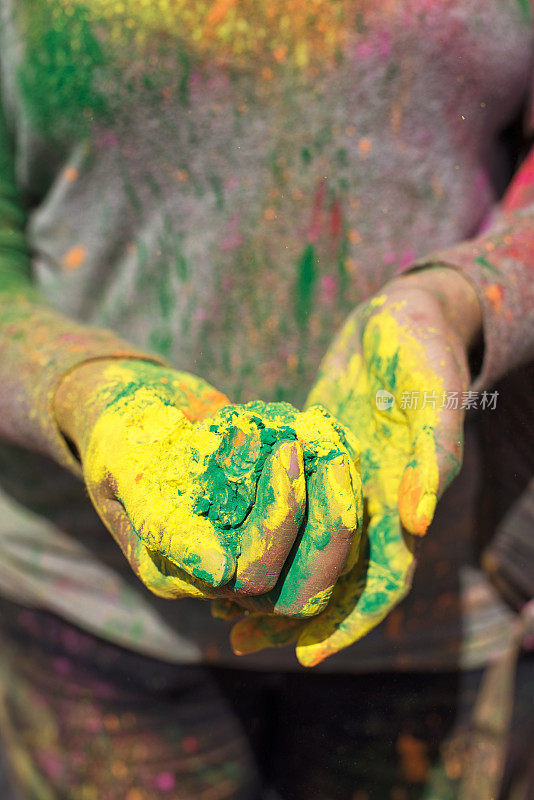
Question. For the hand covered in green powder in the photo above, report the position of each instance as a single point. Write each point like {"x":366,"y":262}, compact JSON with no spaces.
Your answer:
{"x":388,"y":378}
{"x":289,"y":559}
{"x":207,"y":499}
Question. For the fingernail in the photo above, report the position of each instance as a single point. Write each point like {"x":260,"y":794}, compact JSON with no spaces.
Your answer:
{"x":289,"y":459}
{"x":340,"y":474}
{"x":215,"y":567}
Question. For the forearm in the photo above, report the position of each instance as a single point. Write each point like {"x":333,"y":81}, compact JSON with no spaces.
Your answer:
{"x":38,"y":347}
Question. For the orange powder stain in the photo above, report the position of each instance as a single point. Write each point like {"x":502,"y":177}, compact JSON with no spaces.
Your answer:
{"x":280,"y":53}
{"x":495,"y":295}
{"x":410,"y":493}
{"x":410,"y":490}
{"x":198,"y":408}
{"x":353,"y":236}
{"x":71,"y":174}
{"x":181,"y":176}
{"x":74,"y":258}
{"x":364,"y":146}
{"x":219,"y":11}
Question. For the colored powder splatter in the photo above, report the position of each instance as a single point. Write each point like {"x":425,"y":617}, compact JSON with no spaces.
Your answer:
{"x":248,"y":435}
{"x":280,"y":31}
{"x":63,"y":64}
{"x":199,"y":477}
{"x":305,"y":287}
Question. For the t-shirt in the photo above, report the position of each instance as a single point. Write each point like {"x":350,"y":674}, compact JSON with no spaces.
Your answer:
{"x":221,"y":183}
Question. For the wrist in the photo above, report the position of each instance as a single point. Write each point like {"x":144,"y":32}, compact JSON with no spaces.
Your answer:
{"x":79,"y":398}
{"x":85,"y":391}
{"x":454,"y":293}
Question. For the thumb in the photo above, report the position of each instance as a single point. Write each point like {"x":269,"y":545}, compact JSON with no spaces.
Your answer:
{"x":435,"y":460}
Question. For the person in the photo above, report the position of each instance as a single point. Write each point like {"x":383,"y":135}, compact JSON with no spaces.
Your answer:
{"x":194,"y":198}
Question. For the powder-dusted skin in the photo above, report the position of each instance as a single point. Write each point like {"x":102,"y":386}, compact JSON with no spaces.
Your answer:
{"x":155,"y":457}
{"x":374,"y":352}
{"x":208,"y":497}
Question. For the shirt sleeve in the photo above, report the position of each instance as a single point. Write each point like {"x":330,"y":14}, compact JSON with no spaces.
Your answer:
{"x":500,"y":266}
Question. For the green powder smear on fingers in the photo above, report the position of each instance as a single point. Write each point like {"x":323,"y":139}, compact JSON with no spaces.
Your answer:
{"x":248,"y":435}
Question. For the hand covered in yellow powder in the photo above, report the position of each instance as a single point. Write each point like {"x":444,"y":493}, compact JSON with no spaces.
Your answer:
{"x":131,"y":423}
{"x":207,"y":499}
{"x":391,"y":378}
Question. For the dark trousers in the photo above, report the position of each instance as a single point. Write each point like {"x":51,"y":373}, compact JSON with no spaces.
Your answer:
{"x":82,"y":719}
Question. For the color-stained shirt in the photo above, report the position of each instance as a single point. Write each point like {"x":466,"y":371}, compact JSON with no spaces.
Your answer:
{"x":221,"y":183}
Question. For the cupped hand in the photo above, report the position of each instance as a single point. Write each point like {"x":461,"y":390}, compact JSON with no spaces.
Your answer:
{"x":395,"y":377}
{"x":292,"y":571}
{"x":207,"y":499}
{"x":131,"y":423}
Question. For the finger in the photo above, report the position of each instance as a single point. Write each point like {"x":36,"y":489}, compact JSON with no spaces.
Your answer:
{"x":321,"y":553}
{"x":187,"y":540}
{"x":269,"y":532}
{"x":159,"y":575}
{"x":225,"y":609}
{"x":363,"y":598}
{"x":436,"y":440}
{"x":435,"y":460}
{"x":193,"y":544}
{"x":259,"y":631}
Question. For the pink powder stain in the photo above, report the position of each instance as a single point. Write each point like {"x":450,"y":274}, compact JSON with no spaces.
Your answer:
{"x":195,"y":79}
{"x":106,"y":139}
{"x":389,"y":258}
{"x":201,"y":315}
{"x":165,"y":782}
{"x":384,"y":45}
{"x":51,"y":765}
{"x":231,"y":184}
{"x":231,"y":243}
{"x":406,"y":259}
{"x":93,"y":725}
{"x":233,"y":238}
{"x":328,"y":287}
{"x":364,"y":50}
{"x":380,"y":45}
{"x":62,"y":666}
